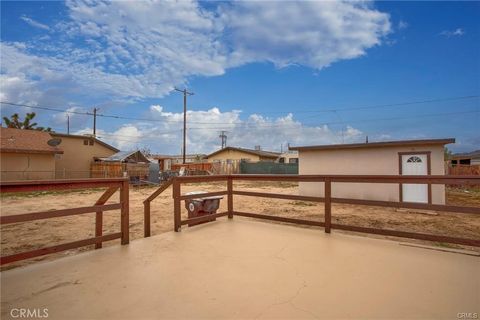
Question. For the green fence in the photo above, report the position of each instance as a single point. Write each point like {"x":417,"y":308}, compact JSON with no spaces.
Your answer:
{"x":268,"y":168}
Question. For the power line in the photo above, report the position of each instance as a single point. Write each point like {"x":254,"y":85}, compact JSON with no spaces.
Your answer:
{"x":215,"y":123}
{"x":114,"y":136}
{"x":247,"y":125}
{"x":379,"y":105}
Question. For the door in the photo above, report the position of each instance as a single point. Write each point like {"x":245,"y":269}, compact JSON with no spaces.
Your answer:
{"x":414,"y":164}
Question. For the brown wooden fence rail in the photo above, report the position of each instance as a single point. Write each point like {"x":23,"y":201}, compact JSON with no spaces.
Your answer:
{"x":99,"y":207}
{"x":328,"y":200}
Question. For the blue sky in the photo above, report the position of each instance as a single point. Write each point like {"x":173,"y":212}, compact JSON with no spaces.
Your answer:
{"x":268,"y":73}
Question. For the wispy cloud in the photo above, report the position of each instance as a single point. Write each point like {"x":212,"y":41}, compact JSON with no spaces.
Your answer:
{"x":402,"y":25}
{"x":34,"y":23}
{"x":453,"y":33}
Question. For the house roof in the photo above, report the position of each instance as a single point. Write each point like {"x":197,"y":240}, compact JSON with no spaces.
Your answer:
{"x":376,"y":144}
{"x":473,"y":154}
{"x":26,"y":141}
{"x":261,"y":153}
{"x":65,"y":135}
{"x":124,"y":155}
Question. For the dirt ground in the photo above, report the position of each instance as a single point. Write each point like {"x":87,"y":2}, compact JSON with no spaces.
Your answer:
{"x":26,"y":236}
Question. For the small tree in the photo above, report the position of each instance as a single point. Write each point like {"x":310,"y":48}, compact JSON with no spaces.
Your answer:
{"x":146,"y":151}
{"x":15,"y":122}
{"x":446,"y":153}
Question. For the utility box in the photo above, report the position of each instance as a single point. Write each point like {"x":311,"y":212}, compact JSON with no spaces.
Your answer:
{"x":201,"y":206}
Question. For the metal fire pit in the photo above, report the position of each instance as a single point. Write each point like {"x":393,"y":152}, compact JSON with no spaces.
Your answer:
{"x":201,"y":206}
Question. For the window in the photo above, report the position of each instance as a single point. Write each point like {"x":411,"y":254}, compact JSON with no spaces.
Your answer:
{"x":90,"y":142}
{"x":281,"y":160}
{"x":293,"y":160}
{"x":414,"y":159}
{"x":85,"y":142}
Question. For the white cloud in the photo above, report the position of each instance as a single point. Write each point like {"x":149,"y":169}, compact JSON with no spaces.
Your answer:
{"x":136,"y":50}
{"x":34,"y":23}
{"x":269,"y":133}
{"x":310,"y":33}
{"x":453,"y":33}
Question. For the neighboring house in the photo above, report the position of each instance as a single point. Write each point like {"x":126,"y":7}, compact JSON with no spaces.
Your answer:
{"x":288,"y":157}
{"x":236,"y":154}
{"x":79,"y":152}
{"x":409,"y":157}
{"x":166,"y":161}
{"x":468,"y":158}
{"x":131,"y":163}
{"x":26,"y":155}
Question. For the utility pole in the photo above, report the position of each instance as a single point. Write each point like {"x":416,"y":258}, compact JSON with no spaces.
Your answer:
{"x":223,"y":136}
{"x":185,"y":92}
{"x":68,"y":124}
{"x":95,"y":121}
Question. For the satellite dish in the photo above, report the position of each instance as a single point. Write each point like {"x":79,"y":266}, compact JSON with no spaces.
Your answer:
{"x":54,"y":142}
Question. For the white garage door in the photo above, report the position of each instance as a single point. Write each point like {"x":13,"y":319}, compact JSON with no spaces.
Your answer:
{"x":414,"y":165}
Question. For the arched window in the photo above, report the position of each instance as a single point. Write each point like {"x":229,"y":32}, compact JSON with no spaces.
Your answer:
{"x":414,"y":159}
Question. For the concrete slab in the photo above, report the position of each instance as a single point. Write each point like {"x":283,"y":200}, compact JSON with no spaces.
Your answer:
{"x":243,"y":269}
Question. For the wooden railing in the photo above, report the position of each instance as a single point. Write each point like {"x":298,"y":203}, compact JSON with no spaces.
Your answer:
{"x":99,"y":207}
{"x":146,"y":206}
{"x":327,"y":199}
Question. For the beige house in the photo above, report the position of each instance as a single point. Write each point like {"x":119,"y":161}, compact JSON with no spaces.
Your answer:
{"x":79,"y":152}
{"x":237,"y":154}
{"x":290,"y":156}
{"x":410,"y":157}
{"x":26,"y":155}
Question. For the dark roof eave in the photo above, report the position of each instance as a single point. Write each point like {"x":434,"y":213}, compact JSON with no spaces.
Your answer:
{"x":7,"y":150}
{"x":375,"y":144}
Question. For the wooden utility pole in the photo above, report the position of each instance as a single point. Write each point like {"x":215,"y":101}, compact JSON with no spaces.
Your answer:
{"x":68,"y":124}
{"x":223,"y":136}
{"x":95,"y":121}
{"x":185,"y":92}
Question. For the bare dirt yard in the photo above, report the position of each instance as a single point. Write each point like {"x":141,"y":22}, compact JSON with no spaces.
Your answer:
{"x":27,"y":236}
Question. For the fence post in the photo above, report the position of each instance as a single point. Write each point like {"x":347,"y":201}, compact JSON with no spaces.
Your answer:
{"x":99,"y":227}
{"x":125,"y":214}
{"x":328,"y":205}
{"x":176,"y":204}
{"x":230,"y":197}
{"x":146,"y":213}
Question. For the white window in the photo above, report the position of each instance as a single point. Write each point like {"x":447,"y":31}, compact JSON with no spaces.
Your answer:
{"x":414,"y":159}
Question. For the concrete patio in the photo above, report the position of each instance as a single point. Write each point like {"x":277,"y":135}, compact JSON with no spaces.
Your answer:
{"x":245,"y":269}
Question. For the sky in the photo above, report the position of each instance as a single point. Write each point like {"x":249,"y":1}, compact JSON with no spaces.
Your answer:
{"x":268,"y":73}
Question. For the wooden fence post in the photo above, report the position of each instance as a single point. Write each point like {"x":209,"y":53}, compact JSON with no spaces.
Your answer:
{"x":99,"y":214}
{"x":146,"y":213}
{"x":328,"y":205}
{"x":125,"y":221}
{"x":176,"y":205}
{"x":230,"y":197}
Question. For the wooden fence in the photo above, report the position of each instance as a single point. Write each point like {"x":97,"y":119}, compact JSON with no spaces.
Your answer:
{"x":226,"y":167}
{"x":138,"y":171}
{"x":464,"y":170}
{"x":328,"y":180}
{"x":99,"y":207}
{"x":193,"y":167}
